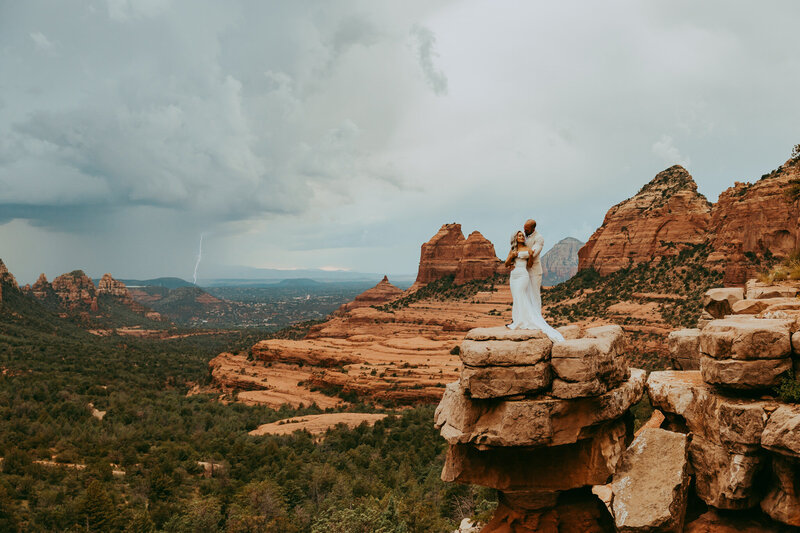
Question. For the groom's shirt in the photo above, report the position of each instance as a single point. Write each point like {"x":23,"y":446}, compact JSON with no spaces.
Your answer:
{"x":535,"y":242}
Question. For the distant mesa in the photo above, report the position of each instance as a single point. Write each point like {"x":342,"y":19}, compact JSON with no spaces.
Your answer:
{"x":448,"y":253}
{"x":560,"y":262}
{"x":299,"y":282}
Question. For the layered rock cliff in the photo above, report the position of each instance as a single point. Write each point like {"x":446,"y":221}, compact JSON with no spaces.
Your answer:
{"x":755,"y":219}
{"x":750,"y":222}
{"x":658,"y":221}
{"x":448,"y":253}
{"x":560,"y":262}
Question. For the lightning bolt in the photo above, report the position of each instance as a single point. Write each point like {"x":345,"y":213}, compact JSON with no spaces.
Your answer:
{"x":199,"y":258}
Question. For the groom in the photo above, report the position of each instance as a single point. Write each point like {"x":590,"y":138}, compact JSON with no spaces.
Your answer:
{"x":535,"y":241}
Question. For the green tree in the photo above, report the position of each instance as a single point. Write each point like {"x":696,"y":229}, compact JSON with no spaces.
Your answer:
{"x":97,"y":509}
{"x":140,"y":522}
{"x":367,"y":517}
{"x":8,"y":515}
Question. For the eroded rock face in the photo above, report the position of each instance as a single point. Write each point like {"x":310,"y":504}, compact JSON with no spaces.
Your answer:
{"x":591,"y":365}
{"x":449,"y":253}
{"x":735,"y":423}
{"x":111,"y":287}
{"x":575,"y":511}
{"x":560,"y":262}
{"x":538,"y":421}
{"x":719,"y":302}
{"x":782,"y":501}
{"x":650,"y":486}
{"x":744,"y":375}
{"x":684,"y":349}
{"x":723,"y":479}
{"x":755,"y":218}
{"x":767,"y":292}
{"x":75,"y":289}
{"x":666,"y":212}
{"x":782,"y":431}
{"x":501,"y":381}
{"x":548,"y":469}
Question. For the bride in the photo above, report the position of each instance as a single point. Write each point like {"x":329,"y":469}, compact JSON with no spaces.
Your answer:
{"x":526,"y":312}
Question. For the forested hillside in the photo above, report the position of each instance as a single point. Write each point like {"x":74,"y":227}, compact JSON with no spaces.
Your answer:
{"x":159,"y":460}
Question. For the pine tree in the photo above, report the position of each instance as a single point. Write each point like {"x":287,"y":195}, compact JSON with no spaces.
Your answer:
{"x":97,"y":509}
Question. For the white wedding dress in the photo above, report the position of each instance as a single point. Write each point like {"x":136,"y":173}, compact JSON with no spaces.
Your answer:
{"x":526,"y":312}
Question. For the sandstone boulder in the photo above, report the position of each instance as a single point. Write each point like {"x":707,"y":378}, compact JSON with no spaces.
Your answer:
{"x":746,"y":338}
{"x":719,"y":302}
{"x":542,"y":421}
{"x":724,"y":479}
{"x":782,"y":501}
{"x":506,"y":352}
{"x":448,"y":253}
{"x":546,"y":469}
{"x":782,"y":431}
{"x":739,"y":374}
{"x":736,"y":424}
{"x":501,"y":381}
{"x":749,"y":307}
{"x":761,"y":292}
{"x":684,"y":349}
{"x":591,"y":365}
{"x":651,"y":483}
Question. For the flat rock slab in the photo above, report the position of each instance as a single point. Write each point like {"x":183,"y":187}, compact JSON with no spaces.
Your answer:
{"x":684,"y":349}
{"x":782,"y":431}
{"x":543,"y":421}
{"x":746,"y":338}
{"x":505,"y":352}
{"x":502,"y":333}
{"x":744,"y":375}
{"x":651,"y":483}
{"x":552,"y":468}
{"x":734,"y":423}
{"x":771,"y":291}
{"x":501,"y":381}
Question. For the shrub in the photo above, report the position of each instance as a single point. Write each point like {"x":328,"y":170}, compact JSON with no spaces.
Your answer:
{"x":789,"y":390}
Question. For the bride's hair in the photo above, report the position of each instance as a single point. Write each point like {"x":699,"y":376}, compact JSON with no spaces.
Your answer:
{"x":514,"y":243}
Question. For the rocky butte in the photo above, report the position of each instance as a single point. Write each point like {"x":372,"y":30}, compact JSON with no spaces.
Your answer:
{"x":749,"y":222}
{"x":448,"y":253}
{"x":665,"y":214}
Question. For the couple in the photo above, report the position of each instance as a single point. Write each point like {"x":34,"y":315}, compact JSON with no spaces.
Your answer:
{"x":526,"y":281}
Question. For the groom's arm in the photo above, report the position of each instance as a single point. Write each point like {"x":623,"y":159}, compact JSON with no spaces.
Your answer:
{"x":537,"y":246}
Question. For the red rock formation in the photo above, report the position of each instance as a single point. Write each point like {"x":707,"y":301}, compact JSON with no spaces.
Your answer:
{"x":665,"y":214}
{"x":560,"y":262}
{"x":449,"y":253}
{"x":753,"y":219}
{"x":112,"y":287}
{"x":379,"y":294}
{"x":6,"y":276}
{"x":75,"y":290}
{"x":478,"y":259}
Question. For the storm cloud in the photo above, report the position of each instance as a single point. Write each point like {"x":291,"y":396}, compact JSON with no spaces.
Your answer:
{"x":342,"y":134}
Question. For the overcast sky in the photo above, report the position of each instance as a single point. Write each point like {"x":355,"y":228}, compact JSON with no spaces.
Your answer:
{"x":343,"y":134}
